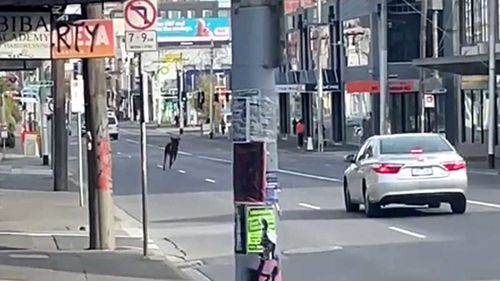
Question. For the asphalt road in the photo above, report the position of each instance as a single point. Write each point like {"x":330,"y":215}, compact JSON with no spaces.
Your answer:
{"x":191,"y":216}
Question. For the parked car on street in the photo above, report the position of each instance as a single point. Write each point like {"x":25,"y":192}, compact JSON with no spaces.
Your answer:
{"x":412,"y":169}
{"x":113,"y":129}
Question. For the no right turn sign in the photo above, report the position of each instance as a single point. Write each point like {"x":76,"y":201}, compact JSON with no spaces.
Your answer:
{"x":429,"y":101}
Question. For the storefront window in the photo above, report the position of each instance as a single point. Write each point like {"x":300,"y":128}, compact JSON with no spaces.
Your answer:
{"x":358,"y":106}
{"x":467,"y":116}
{"x":475,"y":116}
{"x":475,"y":24}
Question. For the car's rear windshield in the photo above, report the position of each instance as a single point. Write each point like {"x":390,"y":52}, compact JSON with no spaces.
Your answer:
{"x":407,"y":144}
{"x":111,"y":121}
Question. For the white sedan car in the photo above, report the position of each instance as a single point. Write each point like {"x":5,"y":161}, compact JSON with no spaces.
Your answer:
{"x":412,"y":169}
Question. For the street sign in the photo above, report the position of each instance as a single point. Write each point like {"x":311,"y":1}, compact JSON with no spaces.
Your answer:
{"x":429,"y":101}
{"x":77,"y":99}
{"x":140,"y":15}
{"x":141,"y":41}
{"x":4,"y":132}
{"x":287,"y":88}
{"x":50,"y":105}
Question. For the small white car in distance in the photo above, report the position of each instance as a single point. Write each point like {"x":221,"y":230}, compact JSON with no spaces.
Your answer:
{"x":412,"y":169}
{"x":113,"y":126}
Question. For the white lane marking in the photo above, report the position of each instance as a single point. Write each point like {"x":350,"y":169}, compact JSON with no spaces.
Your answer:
{"x":294,"y":173}
{"x":308,"y":176}
{"x":159,"y":166}
{"x":210,"y":180}
{"x":311,"y":250}
{"x":407,"y":232}
{"x":63,"y":234}
{"x":305,"y":205}
{"x":484,"y":204}
{"x":29,"y":256}
{"x":185,"y":153}
{"x":118,"y":153}
{"x":131,"y":141}
{"x":182,"y":171}
{"x":484,"y":173}
{"x":214,"y":159}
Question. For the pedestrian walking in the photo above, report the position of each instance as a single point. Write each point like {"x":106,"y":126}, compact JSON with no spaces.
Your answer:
{"x":223,"y":126}
{"x":367,"y":127}
{"x":294,"y":124}
{"x":299,"y":129}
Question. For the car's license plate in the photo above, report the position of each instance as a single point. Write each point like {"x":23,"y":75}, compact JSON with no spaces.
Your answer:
{"x":421,"y":171}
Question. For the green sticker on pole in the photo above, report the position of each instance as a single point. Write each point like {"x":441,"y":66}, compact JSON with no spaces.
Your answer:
{"x":257,"y":217}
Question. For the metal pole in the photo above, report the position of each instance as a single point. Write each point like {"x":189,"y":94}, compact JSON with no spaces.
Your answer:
{"x":435,"y":37}
{"x":492,"y":28}
{"x":80,"y":158}
{"x":4,"y":127}
{"x":145,"y":95}
{"x":181,"y":100}
{"x":60,"y":133}
{"x":211,"y":93}
{"x":423,"y":54}
{"x":144,"y":171}
{"x":44,"y":131}
{"x":253,"y":68}
{"x":319,"y":83}
{"x":383,"y":68}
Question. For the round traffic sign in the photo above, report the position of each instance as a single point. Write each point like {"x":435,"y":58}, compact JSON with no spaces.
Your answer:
{"x":140,"y":14}
{"x":50,"y":105}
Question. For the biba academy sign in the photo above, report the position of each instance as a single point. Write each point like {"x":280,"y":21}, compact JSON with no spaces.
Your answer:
{"x":25,"y":35}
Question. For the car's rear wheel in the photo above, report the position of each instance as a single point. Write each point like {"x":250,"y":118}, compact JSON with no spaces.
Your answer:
{"x":372,"y":210}
{"x":349,"y":206}
{"x":459,"y":205}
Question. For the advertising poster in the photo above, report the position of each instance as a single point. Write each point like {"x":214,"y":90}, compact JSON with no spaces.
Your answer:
{"x":324,"y":31}
{"x":357,"y":38}
{"x":193,"y":30}
{"x":260,"y":223}
{"x":293,"y":49}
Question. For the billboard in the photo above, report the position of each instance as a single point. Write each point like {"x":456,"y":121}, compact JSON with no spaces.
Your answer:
{"x":193,"y":30}
{"x":292,"y":6}
{"x":93,"y":38}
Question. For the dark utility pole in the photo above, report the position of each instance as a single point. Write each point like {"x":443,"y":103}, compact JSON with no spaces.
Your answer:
{"x":60,"y":133}
{"x":256,"y":55}
{"x":100,"y":184}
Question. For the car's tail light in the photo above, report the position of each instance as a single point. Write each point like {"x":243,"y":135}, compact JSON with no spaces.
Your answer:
{"x":416,"y":151}
{"x":454,"y":165}
{"x":387,"y":168}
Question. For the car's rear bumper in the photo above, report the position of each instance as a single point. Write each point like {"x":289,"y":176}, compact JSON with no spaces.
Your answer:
{"x":419,"y":190}
{"x":422,"y":198}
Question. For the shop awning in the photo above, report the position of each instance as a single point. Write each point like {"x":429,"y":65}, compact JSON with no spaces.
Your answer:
{"x":463,"y":65}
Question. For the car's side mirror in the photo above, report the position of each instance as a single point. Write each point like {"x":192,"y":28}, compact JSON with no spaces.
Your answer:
{"x":350,"y":158}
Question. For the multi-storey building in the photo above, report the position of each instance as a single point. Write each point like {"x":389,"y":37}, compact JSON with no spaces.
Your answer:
{"x":459,"y":94}
{"x":466,"y":61}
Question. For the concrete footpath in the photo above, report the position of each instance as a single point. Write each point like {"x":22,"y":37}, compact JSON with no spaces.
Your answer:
{"x":44,"y":234}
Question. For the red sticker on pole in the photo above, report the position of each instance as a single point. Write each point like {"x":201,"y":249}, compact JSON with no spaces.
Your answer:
{"x":140,"y":15}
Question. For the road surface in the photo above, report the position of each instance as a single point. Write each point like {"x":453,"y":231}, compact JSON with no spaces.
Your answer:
{"x":191,"y":217}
